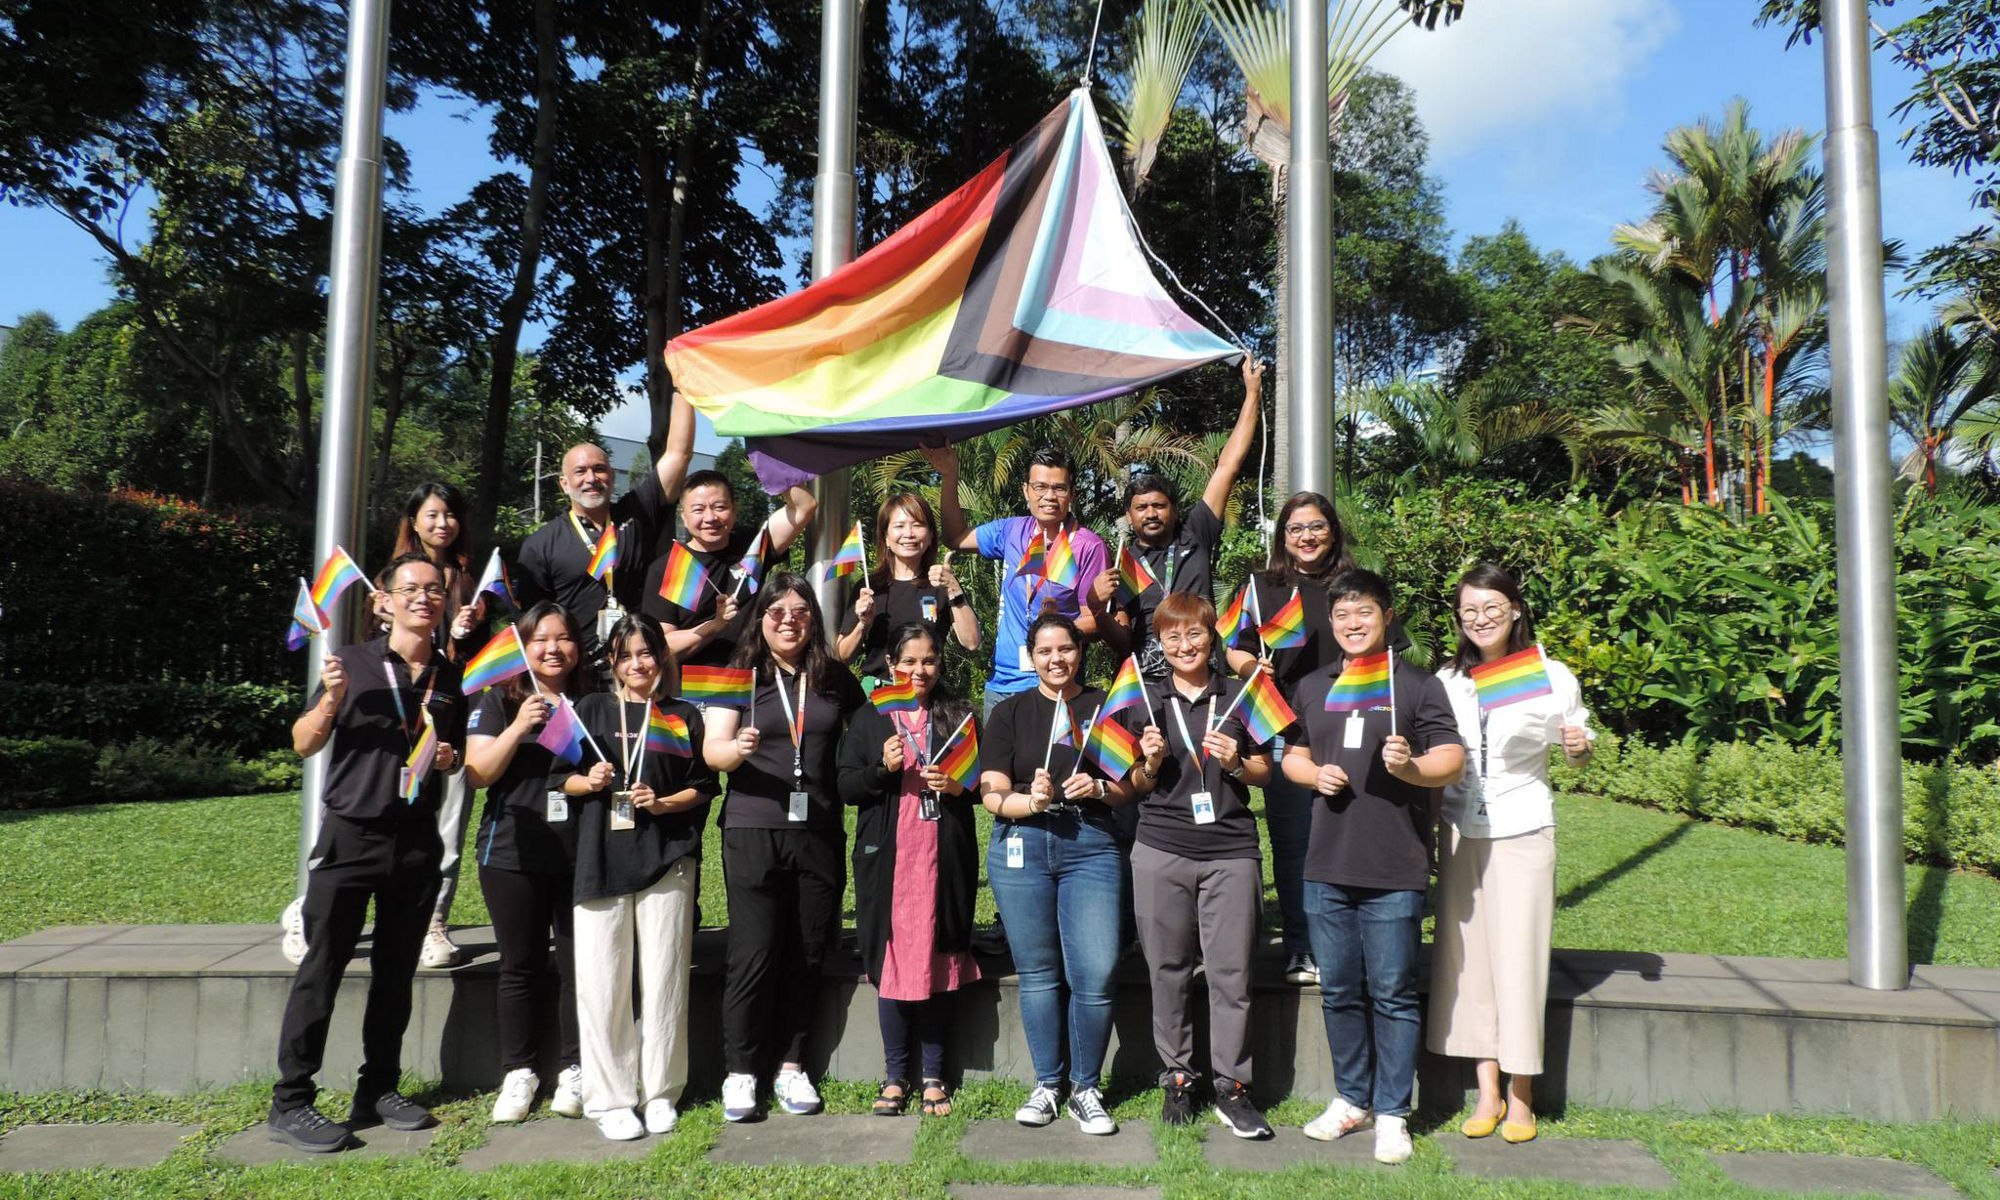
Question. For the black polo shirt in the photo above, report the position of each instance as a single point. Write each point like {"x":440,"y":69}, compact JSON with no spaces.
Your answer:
{"x":1292,"y":664}
{"x":720,"y":565}
{"x":619,"y":862}
{"x":1376,"y":833}
{"x":1166,"y":814}
{"x":899,"y":603}
{"x":515,"y":833}
{"x":1184,"y":562}
{"x":760,"y":790}
{"x":371,"y":741}
{"x":555,"y":559}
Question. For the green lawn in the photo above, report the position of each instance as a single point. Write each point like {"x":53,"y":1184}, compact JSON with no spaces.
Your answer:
{"x":1627,"y":878}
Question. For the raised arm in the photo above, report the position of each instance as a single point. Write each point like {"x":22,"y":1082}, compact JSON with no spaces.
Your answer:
{"x":1229,"y":463}
{"x":672,"y":465}
{"x":955,"y":534}
{"x":788,"y":522}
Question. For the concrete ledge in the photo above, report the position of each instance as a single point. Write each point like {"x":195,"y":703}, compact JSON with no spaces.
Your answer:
{"x":177,"y":1008}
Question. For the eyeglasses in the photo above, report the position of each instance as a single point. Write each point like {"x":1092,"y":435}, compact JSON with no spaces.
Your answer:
{"x":787,"y":616}
{"x":1039,"y":488}
{"x":1174,"y":641}
{"x":1302,"y":528}
{"x":430,"y":591}
{"x":1491,"y":612}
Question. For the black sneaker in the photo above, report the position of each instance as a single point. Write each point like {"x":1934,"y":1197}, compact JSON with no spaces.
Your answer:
{"x":1234,"y":1109}
{"x":391,"y":1108}
{"x":305,"y":1129}
{"x":1177,"y":1107}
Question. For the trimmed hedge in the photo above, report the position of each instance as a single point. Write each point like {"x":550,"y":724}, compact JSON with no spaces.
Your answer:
{"x":245,"y":718}
{"x":1951,"y":810}
{"x":42,"y":772}
{"x":55,"y":772}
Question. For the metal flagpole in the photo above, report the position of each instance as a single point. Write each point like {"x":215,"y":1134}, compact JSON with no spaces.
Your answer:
{"x":1871,"y":749}
{"x":1309,"y":238}
{"x":833,"y":242}
{"x":350,"y":346}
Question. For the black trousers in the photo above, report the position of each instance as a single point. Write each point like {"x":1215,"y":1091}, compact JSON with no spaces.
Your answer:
{"x":784,"y":889}
{"x":528,"y":907}
{"x":394,"y":862}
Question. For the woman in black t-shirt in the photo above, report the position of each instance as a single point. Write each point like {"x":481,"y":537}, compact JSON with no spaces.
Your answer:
{"x":527,"y":854}
{"x":908,"y":584}
{"x":782,"y":842}
{"x":638,"y":859}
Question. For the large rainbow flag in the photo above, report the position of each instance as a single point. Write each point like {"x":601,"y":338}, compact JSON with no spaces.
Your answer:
{"x":1022,"y":293}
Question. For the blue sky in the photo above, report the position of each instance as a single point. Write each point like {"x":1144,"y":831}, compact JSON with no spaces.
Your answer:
{"x":1549,"y":112}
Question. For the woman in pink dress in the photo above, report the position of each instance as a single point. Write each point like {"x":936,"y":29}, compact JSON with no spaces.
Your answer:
{"x":915,"y":867}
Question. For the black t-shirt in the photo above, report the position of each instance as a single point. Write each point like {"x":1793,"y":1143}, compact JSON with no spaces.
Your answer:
{"x":1293,"y":663}
{"x":555,"y":559}
{"x":514,"y":831}
{"x":618,"y":862}
{"x":1377,"y":832}
{"x":1183,"y":563}
{"x":372,"y":737}
{"x":1166,"y":814}
{"x":1017,"y":735}
{"x":760,"y":790}
{"x":897,"y":604}
{"x":720,"y":565}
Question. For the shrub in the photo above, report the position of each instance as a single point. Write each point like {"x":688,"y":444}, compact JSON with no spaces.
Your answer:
{"x":35,"y":772}
{"x":242,"y":717}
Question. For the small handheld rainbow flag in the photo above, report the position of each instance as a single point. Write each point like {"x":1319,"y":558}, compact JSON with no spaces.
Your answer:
{"x":336,"y":575}
{"x":959,"y":759}
{"x":604,"y":559}
{"x":1520,"y":676}
{"x":307,"y":619}
{"x":1232,"y":621}
{"x":682,"y":577}
{"x":716,"y":685}
{"x":852,"y":555}
{"x":1265,"y":713}
{"x":500,"y":660}
{"x":898,"y":695}
{"x":750,"y":571}
{"x":1128,"y":689}
{"x":417,"y":767}
{"x":1287,"y":626}
{"x":1060,"y":567}
{"x":1363,"y":683}
{"x":667,"y":733}
{"x":1133,"y":574}
{"x":1111,"y":746}
{"x":494,"y":580}
{"x":562,"y":734}
{"x":1033,"y":558}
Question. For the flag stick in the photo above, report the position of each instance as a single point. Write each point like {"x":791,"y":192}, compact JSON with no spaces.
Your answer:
{"x":1151,"y":719}
{"x":1231,"y":710}
{"x":1118,"y":558}
{"x":946,"y":744}
{"x":1088,"y":727}
{"x":862,"y":542}
{"x":1392,"y":691}
{"x":1062,"y":710}
{"x":1257,"y":615}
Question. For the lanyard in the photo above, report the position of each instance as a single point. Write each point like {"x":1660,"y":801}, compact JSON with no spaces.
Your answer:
{"x":796,"y":726}
{"x":1167,"y":580}
{"x":924,"y":752}
{"x":1198,"y":754}
{"x":402,"y":712}
{"x":1482,"y":746}
{"x":628,"y":746}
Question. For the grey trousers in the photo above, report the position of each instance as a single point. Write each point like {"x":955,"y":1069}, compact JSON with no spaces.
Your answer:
{"x":1190,"y":910}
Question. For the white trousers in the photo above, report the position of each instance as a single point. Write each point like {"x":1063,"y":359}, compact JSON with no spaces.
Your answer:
{"x":628,"y":1061}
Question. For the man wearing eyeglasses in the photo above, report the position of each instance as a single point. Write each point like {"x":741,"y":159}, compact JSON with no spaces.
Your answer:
{"x":1026,"y":592}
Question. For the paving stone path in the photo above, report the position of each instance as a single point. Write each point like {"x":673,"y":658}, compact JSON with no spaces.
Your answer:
{"x":1590,"y":1161}
{"x":842,"y":1141}
{"x":254,"y":1148}
{"x":552,"y":1140}
{"x":1835,"y":1174}
{"x":1289,"y":1148}
{"x":1011,"y":1142}
{"x":73,"y":1147}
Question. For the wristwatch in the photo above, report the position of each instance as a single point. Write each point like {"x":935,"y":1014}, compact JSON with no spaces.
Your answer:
{"x":958,"y":601}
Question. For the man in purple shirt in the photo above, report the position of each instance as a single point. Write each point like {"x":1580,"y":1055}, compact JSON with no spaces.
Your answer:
{"x":1025,"y":594}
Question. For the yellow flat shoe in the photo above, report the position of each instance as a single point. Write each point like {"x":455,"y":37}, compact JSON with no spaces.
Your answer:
{"x":1479,"y":1127}
{"x":1514,"y":1134}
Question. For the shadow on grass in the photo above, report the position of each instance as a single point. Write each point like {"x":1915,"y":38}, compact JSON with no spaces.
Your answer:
{"x":1630,"y":863}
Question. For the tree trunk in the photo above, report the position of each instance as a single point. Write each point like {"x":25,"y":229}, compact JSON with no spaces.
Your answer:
{"x":208,"y":473}
{"x":394,"y":387}
{"x":675,"y":235}
{"x":302,"y":407}
{"x":1770,"y":425}
{"x":514,"y":309}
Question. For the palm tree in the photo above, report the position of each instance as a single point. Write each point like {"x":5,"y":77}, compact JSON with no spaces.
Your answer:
{"x":1943,"y":397}
{"x":1436,"y":431}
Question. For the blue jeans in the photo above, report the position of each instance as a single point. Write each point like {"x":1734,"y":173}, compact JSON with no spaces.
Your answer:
{"x":1365,"y":941}
{"x":1288,"y":814}
{"x":1063,"y":909}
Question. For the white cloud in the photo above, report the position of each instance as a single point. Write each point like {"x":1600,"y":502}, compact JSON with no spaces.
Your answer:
{"x":1507,"y":66}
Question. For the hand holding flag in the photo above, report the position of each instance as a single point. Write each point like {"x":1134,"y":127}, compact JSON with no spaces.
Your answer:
{"x":493,"y":581}
{"x":308,"y":618}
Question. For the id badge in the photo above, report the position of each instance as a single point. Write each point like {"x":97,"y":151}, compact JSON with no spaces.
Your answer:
{"x":558,"y":811}
{"x":795,"y":807}
{"x":1351,"y":739}
{"x":606,"y":618}
{"x":1204,"y":808}
{"x":927,"y":806}
{"x":403,"y":781}
{"x":1017,"y":853}
{"x":621,"y":810}
{"x":930,"y":609}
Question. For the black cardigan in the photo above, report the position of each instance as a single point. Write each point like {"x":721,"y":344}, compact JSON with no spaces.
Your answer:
{"x":873,"y":792}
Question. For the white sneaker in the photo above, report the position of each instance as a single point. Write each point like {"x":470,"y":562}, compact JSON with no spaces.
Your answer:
{"x":661,"y":1115}
{"x":1392,"y":1140}
{"x":739,"y":1097}
{"x":621,"y":1125}
{"x":568,"y":1100}
{"x":438,"y":951}
{"x":1041,"y":1107}
{"x":517,"y":1096}
{"x":293,"y":922}
{"x":1339,"y":1120}
{"x":795,"y":1094}
{"x":1087,"y":1106}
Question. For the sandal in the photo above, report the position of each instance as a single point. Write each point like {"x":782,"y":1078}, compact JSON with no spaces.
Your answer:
{"x":890,"y":1103}
{"x":939,"y":1105}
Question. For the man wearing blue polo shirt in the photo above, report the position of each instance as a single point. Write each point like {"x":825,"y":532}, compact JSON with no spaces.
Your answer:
{"x":1026,"y":594}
